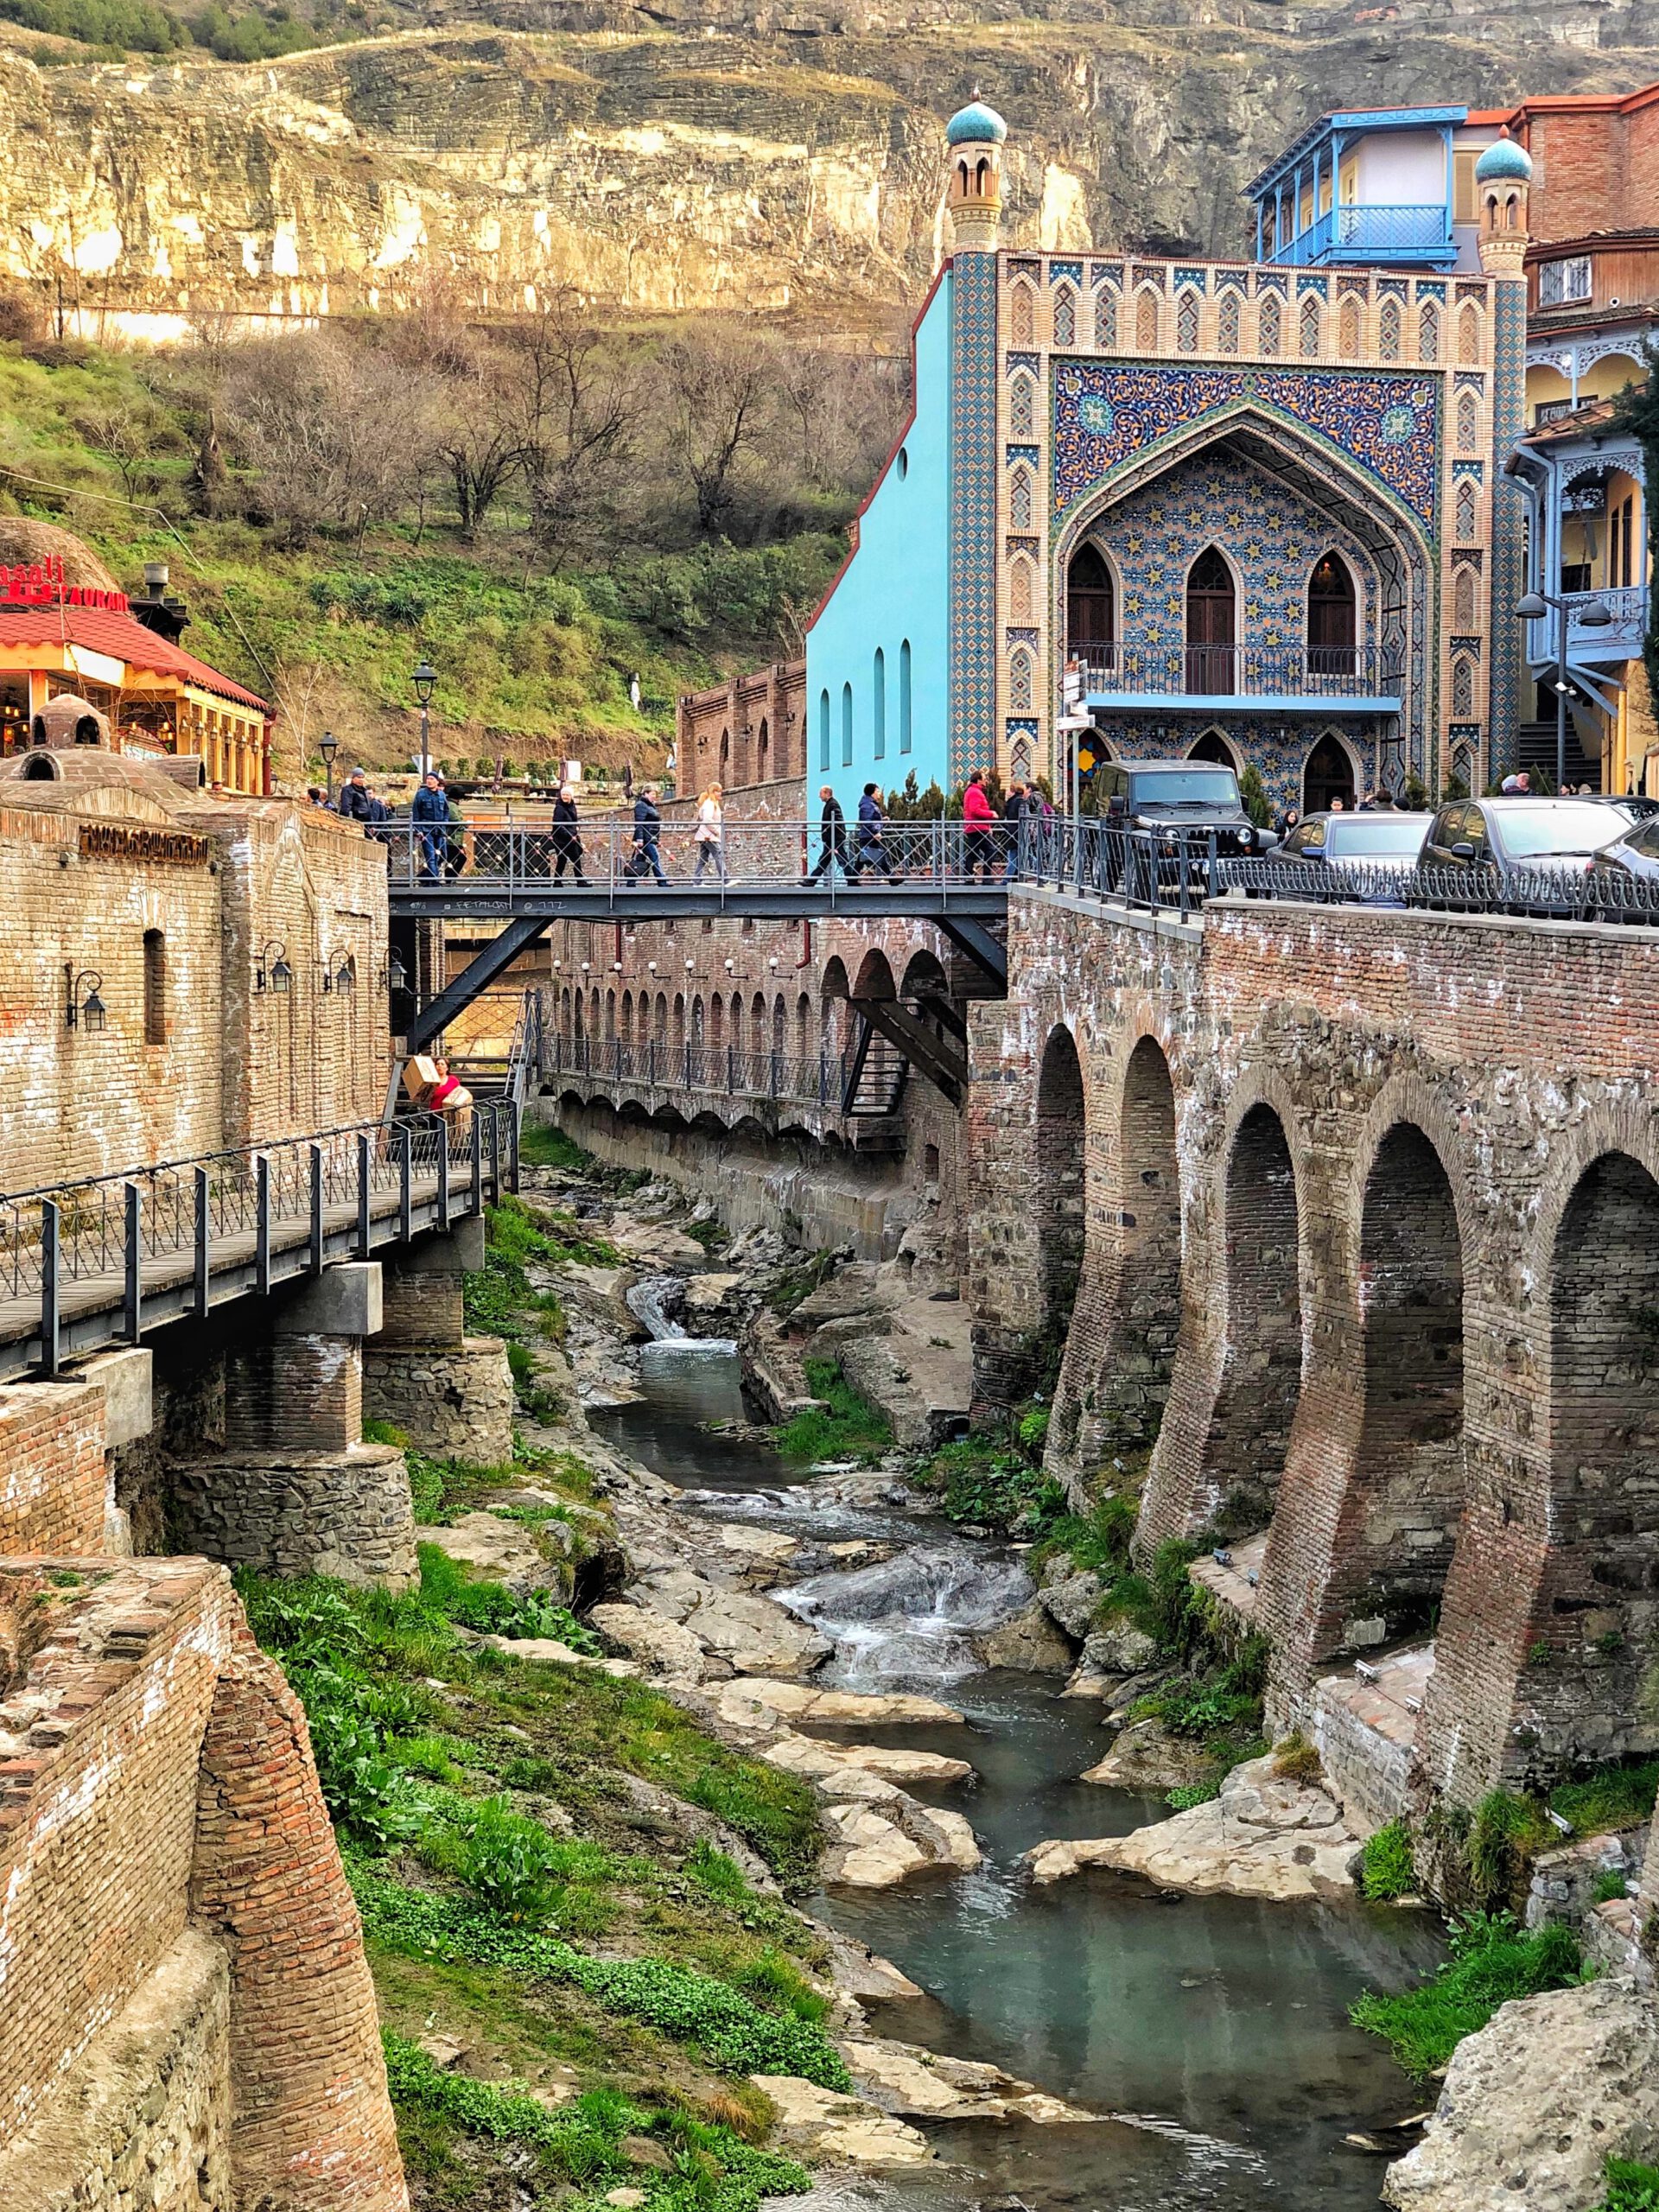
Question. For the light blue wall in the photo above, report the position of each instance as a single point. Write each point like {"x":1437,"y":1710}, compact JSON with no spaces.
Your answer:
{"x":894,"y":591}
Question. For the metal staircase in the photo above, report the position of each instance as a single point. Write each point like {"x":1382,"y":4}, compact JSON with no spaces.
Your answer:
{"x":875,"y":1076}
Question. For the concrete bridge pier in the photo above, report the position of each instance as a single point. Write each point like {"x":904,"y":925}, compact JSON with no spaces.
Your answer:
{"x":296,"y":1489}
{"x":449,"y":1393}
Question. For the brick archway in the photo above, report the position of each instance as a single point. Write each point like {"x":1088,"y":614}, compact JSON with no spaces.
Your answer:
{"x":1057,"y":1189}
{"x":1261,"y":1372}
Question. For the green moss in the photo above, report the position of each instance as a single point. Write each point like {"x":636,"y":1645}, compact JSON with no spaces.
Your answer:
{"x":1508,"y":1833}
{"x":845,"y":1426}
{"x":542,"y":1145}
{"x":1386,"y":1864}
{"x":1492,"y":1960}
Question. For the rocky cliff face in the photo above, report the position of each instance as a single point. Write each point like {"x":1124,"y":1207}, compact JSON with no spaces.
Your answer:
{"x":679,"y":158}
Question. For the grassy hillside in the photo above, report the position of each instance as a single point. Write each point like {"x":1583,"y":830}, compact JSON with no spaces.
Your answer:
{"x":535,"y":644}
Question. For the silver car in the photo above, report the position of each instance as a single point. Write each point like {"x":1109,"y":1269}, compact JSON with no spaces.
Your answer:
{"x":1360,"y":858}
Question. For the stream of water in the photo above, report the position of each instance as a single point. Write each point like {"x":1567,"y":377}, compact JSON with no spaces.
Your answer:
{"x":1214,"y":2030}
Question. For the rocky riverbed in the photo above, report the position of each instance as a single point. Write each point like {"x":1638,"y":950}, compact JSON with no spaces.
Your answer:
{"x":827,"y":1625}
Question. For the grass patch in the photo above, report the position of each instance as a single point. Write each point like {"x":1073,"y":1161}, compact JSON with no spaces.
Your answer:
{"x":1296,"y":1760}
{"x":799,"y":1283}
{"x":712,"y":2168}
{"x":1387,"y":1867}
{"x":541,"y":1144}
{"x":732,"y":2030}
{"x":709,"y":1234}
{"x":1186,"y":1795}
{"x":843,"y":1426}
{"x":1631,"y":2186}
{"x":1492,"y":1960}
{"x":1609,"y":1798}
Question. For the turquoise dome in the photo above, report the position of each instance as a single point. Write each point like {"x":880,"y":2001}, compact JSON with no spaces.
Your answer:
{"x":975,"y":122}
{"x":1501,"y":161}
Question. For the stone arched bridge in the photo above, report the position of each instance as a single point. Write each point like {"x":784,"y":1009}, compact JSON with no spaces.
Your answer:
{"x":1352,"y":1215}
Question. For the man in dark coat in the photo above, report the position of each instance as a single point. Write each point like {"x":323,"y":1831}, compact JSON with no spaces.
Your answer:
{"x":832,"y":830}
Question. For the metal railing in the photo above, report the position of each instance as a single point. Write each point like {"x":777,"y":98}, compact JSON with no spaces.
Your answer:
{"x":726,"y":1070}
{"x":1421,"y":227}
{"x":1178,"y":871}
{"x":356,"y":1186}
{"x":1240,"y":671}
{"x":1619,"y":639}
{"x":607,"y":854}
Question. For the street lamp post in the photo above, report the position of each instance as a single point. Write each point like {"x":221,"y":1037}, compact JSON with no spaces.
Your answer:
{"x":425,"y":677}
{"x":1596,"y":614}
{"x":328,"y":745}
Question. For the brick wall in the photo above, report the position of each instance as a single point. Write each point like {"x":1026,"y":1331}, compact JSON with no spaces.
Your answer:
{"x":1593,"y":170}
{"x":313,"y":2124}
{"x":750,"y":730}
{"x":207,"y":1061}
{"x":53,"y":1485}
{"x":187,"y":2020}
{"x":1453,"y":1336}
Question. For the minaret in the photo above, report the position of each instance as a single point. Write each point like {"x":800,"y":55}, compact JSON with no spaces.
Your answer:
{"x":1503,"y":175}
{"x":975,"y":138}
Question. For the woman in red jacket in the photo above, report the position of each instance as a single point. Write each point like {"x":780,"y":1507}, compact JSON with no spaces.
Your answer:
{"x":978,"y":828}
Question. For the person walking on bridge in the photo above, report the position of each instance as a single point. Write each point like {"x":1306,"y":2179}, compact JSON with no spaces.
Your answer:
{"x":647,"y":827}
{"x":567,"y":842}
{"x":832,"y":830}
{"x":978,"y":828}
{"x":710,"y":834}
{"x":428,"y":810}
{"x":872,"y":853}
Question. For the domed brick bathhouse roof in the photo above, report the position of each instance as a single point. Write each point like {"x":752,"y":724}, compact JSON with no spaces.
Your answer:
{"x":27,"y":543}
{"x":976,"y":123}
{"x":1502,"y":160}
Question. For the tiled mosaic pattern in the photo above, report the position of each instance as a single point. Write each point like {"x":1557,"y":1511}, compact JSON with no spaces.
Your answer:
{"x":973,"y":515}
{"x":1104,"y":412}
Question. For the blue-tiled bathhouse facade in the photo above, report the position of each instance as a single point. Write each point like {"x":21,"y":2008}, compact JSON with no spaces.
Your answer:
{"x":1253,"y":512}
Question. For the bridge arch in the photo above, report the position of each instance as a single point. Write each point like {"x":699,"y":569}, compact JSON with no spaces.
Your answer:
{"x":1260,"y":1380}
{"x":832,"y":984}
{"x":1142,"y":1329}
{"x":1059,"y":1156}
{"x":1408,"y":1490}
{"x":924,"y":972}
{"x":1596,"y":1626}
{"x":874,"y":977}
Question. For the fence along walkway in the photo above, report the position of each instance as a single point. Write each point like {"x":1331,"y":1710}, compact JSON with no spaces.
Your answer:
{"x":88,"y":1264}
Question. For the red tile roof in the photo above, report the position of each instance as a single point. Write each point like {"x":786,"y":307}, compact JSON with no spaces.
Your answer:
{"x":104,"y":630}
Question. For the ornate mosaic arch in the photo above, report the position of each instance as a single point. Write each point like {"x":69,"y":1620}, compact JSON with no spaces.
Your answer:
{"x":1385,"y":497}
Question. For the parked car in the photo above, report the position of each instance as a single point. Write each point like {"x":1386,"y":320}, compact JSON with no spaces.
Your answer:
{"x":1355,"y":858}
{"x":1484,"y":843}
{"x":1629,"y":868}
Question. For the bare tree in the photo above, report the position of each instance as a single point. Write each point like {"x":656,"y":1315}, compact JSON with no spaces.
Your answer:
{"x":720,"y":388}
{"x":574,"y":411}
{"x":127,"y":440}
{"x":338,"y":429}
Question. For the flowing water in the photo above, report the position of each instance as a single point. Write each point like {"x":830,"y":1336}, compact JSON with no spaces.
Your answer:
{"x":1213,"y":2031}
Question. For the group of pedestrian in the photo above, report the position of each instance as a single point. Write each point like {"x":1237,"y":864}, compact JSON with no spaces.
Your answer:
{"x":988,"y":838}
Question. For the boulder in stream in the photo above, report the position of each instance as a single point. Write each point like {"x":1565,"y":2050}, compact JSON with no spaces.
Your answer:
{"x":883,"y":1838}
{"x":757,"y":1703}
{"x":1264,"y":1836}
{"x":664,"y":1646}
{"x":1536,"y":2101}
{"x":752,"y":1633}
{"x":1029,"y":1642}
{"x":903,"y":2077}
{"x":841,"y":2130}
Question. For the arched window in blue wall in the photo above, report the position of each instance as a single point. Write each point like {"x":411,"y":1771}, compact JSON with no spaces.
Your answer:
{"x":904,"y":696}
{"x":824,"y":727}
{"x":846,"y":725}
{"x":879,"y":704}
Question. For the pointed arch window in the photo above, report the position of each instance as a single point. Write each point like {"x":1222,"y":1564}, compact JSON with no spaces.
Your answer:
{"x":904,"y":696}
{"x":1387,"y":331}
{"x":1020,"y":501}
{"x":1226,"y":321}
{"x":1020,"y":314}
{"x":1022,"y":407}
{"x":1429,"y":332}
{"x":1309,"y":322}
{"x":1469,"y":332}
{"x":1106,"y":320}
{"x":1146,"y":321}
{"x":1463,"y":688}
{"x":1468,"y":512}
{"x":1019,"y":682}
{"x":1090,"y":608}
{"x":1019,"y":591}
{"x":879,"y":704}
{"x":846,"y":725}
{"x":1463,"y":599}
{"x":824,"y":727}
{"x":1186,"y":322}
{"x":1348,"y":329}
{"x":1468,"y":422}
{"x":1333,"y":612}
{"x":1066,"y":317}
{"x":1211,"y":624}
{"x":1267,"y":325}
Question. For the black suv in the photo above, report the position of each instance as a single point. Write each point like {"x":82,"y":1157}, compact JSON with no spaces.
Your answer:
{"x":1160,"y":797}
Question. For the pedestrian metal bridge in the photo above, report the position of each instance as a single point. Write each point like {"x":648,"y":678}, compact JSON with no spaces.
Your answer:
{"x":527,"y":877}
